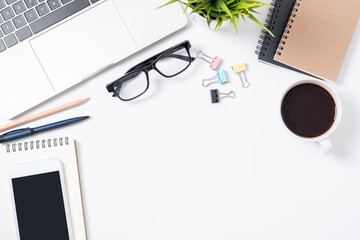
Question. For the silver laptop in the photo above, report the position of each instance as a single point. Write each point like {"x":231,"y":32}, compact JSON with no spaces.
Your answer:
{"x":47,"y":46}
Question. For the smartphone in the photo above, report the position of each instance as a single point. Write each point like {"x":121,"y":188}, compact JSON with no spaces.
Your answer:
{"x":39,"y":201}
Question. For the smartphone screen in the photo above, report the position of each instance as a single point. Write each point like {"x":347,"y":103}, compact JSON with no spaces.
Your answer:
{"x":40,"y":209}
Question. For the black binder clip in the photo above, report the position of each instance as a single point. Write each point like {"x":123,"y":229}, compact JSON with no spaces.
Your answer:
{"x":216,"y":95}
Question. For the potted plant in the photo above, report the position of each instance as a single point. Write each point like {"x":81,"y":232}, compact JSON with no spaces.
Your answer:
{"x":222,"y":11}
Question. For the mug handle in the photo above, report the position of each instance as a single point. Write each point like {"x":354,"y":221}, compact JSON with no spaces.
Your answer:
{"x":325,"y":145}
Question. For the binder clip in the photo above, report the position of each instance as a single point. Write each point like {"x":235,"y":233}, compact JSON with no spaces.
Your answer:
{"x":216,"y":95}
{"x":240,"y":69}
{"x":219,"y":77}
{"x":214,"y":62}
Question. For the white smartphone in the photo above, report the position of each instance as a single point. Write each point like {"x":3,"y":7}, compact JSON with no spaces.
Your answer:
{"x":39,"y":201}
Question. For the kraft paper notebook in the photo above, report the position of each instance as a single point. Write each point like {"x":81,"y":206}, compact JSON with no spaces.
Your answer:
{"x":63,"y":149}
{"x":318,"y":35}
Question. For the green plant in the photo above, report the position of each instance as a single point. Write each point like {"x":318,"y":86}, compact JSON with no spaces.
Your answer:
{"x":224,"y":10}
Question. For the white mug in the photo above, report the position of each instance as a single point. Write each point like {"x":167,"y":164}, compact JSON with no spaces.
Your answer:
{"x":323,"y":139}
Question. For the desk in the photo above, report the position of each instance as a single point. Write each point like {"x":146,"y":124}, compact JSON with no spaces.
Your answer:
{"x":171,"y":165}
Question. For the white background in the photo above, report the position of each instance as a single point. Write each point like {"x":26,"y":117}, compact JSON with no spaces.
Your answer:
{"x":171,"y":165}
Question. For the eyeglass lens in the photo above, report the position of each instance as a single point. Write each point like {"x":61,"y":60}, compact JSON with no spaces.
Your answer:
{"x":134,"y":85}
{"x":174,"y":62}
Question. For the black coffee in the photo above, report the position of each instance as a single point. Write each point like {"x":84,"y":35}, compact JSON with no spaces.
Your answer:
{"x":308,"y":110}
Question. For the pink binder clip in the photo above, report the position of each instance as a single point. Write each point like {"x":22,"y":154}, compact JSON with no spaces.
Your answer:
{"x":214,"y":62}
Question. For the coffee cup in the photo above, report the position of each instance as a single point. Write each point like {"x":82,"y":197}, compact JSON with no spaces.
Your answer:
{"x":311,"y":110}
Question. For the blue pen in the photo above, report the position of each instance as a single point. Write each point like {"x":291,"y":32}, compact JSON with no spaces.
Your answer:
{"x":20,"y":133}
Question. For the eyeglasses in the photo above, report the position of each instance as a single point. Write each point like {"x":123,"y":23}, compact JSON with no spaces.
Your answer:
{"x":168,"y":63}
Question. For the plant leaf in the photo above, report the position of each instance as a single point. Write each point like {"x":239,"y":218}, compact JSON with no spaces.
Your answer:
{"x":168,"y":3}
{"x":234,"y":22}
{"x":257,"y":21}
{"x":222,"y":5}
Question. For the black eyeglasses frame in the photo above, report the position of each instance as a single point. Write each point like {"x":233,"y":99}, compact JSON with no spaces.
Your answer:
{"x":148,"y":65}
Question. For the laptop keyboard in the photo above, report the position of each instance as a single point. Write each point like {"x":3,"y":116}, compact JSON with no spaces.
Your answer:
{"x":20,"y":20}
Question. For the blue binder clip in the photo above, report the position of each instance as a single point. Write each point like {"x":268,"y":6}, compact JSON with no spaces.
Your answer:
{"x":219,"y":77}
{"x":216,"y":95}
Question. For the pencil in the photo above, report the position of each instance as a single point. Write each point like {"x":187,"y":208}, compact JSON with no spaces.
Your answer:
{"x":43,"y":114}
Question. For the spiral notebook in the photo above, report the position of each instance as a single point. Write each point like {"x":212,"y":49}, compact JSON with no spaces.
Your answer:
{"x":276,"y":22}
{"x":63,"y":149}
{"x":318,"y":35}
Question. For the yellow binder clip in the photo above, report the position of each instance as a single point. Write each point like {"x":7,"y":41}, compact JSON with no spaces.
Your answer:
{"x":240,"y":69}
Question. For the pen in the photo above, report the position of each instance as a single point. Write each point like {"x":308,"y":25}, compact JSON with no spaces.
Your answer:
{"x":20,"y":133}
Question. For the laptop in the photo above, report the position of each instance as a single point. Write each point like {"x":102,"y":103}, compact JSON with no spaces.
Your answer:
{"x":48,"y":46}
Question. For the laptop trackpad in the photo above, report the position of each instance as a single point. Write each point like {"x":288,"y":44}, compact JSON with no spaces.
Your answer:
{"x":85,"y":44}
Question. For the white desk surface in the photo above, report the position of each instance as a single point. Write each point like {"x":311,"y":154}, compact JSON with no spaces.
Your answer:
{"x":171,"y":165}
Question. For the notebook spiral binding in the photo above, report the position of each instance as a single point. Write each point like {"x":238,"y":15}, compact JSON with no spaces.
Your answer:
{"x":26,"y":146}
{"x":288,"y":27}
{"x":269,"y":24}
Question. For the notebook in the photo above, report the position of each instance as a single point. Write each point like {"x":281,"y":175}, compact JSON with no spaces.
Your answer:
{"x":276,"y":22}
{"x":318,"y":35}
{"x":63,"y":149}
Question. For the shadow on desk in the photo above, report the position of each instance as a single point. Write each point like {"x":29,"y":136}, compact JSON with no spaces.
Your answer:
{"x":345,"y":134}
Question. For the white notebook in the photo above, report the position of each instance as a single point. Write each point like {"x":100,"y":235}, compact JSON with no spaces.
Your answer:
{"x":63,"y":149}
